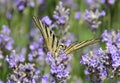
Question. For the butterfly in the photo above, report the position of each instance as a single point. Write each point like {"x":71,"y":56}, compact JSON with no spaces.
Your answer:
{"x":52,"y":43}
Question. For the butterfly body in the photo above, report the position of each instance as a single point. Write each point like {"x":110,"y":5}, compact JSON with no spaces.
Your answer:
{"x":53,"y":44}
{"x":60,"y":47}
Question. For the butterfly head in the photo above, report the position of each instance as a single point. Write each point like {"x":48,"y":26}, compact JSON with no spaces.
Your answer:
{"x":61,"y":47}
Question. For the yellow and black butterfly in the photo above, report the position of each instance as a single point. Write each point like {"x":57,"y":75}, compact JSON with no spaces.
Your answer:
{"x":52,"y":43}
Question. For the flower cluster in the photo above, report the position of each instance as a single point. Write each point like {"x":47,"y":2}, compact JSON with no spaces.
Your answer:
{"x":37,"y":52}
{"x":61,"y":15}
{"x":96,"y":69}
{"x":111,"y":38}
{"x":25,"y":73}
{"x":103,"y":64}
{"x":15,"y":59}
{"x":10,"y":6}
{"x":94,"y":13}
{"x":59,"y":68}
{"x":47,"y":20}
{"x":92,"y":17}
{"x":21,"y":72}
{"x":36,"y":46}
{"x":77,"y":15}
{"x":6,"y":42}
{"x":95,"y":4}
{"x":20,"y":5}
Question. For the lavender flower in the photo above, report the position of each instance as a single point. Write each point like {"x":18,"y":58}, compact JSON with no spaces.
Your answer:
{"x":36,"y":46}
{"x":58,"y":66}
{"x":21,"y":72}
{"x":6,"y":44}
{"x":15,"y":59}
{"x":24,"y":73}
{"x":1,"y":81}
{"x":37,"y":52}
{"x":118,"y":82}
{"x":92,"y":18}
{"x":47,"y":20}
{"x":9,"y":15}
{"x":111,"y":38}
{"x":111,"y":2}
{"x":113,"y":49}
{"x":31,"y":3}
{"x":1,"y":56}
{"x":60,"y":14}
{"x":40,"y":2}
{"x":93,"y":4}
{"x":45,"y":78}
{"x":6,"y":41}
{"x":104,"y":63}
{"x":77,"y":15}
{"x":95,"y":66}
{"x":68,"y":3}
{"x":20,"y":5}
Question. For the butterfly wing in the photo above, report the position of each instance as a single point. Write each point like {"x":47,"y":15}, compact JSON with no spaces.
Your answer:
{"x":50,"y":39}
{"x":75,"y":46}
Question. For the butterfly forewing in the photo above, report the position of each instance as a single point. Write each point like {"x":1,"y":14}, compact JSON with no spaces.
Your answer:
{"x":76,"y":46}
{"x":49,"y":38}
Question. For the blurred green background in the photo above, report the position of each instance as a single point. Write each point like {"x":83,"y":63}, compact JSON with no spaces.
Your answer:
{"x":21,"y":23}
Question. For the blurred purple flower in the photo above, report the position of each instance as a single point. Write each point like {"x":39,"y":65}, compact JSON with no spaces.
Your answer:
{"x":93,"y":4}
{"x":5,"y":30}
{"x":90,"y":1}
{"x":103,"y":13}
{"x":1,"y":81}
{"x":93,"y":18}
{"x":108,"y":1}
{"x":20,"y":5}
{"x":47,"y":20}
{"x":111,"y":1}
{"x":40,"y":2}
{"x":31,"y":3}
{"x":36,"y":49}
{"x":77,"y":15}
{"x":6,"y":41}
{"x":68,"y":2}
{"x":1,"y":56}
{"x":15,"y":59}
{"x":118,"y":82}
{"x":9,"y":15}
{"x":34,"y":45}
